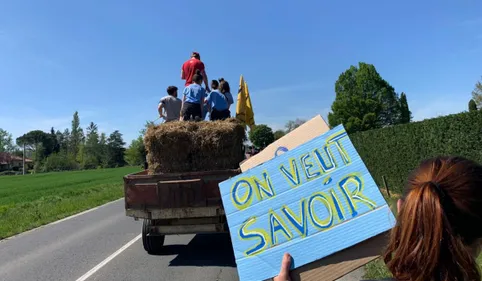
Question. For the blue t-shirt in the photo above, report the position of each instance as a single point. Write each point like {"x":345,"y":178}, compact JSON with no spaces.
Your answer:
{"x":194,"y":93}
{"x":217,"y":100}
{"x":230,"y":97}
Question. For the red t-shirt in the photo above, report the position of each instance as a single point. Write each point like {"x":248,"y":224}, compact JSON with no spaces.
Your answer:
{"x":189,"y":69}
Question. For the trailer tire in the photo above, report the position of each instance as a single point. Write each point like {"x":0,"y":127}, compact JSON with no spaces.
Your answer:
{"x":152,"y":244}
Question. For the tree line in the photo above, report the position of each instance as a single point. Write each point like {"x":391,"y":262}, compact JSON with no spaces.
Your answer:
{"x":364,"y":101}
{"x":72,"y":149}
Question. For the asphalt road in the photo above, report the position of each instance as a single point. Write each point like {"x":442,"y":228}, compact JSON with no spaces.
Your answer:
{"x":104,"y":244}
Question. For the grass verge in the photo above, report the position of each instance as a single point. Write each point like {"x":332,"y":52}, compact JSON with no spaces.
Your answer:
{"x":30,"y":201}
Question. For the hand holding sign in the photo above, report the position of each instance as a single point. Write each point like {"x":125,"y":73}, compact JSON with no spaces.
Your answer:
{"x":311,"y":201}
{"x":284,"y":274}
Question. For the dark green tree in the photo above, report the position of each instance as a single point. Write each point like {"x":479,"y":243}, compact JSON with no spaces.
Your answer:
{"x":261,"y":136}
{"x":54,"y":141}
{"x":92,"y":137}
{"x":136,"y":153}
{"x":64,"y":142}
{"x":103,"y":151}
{"x":279,"y":134}
{"x":115,"y":150}
{"x":50,"y":144}
{"x":75,"y":135}
{"x":92,"y":157}
{"x":405,"y":114}
{"x":37,"y":141}
{"x":364,"y":100}
{"x":472,"y":105}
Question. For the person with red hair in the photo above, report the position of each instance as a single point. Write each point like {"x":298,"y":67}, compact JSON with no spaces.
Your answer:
{"x":438,"y":234}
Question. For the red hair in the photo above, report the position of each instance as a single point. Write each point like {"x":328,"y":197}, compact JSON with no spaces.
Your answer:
{"x":438,"y":223}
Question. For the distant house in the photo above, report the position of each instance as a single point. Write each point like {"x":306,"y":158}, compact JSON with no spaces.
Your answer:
{"x":12,"y":162}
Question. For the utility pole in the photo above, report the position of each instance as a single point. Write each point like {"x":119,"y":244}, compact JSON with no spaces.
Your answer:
{"x":23,"y":170}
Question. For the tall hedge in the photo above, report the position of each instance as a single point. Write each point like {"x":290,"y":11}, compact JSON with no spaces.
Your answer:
{"x":395,"y":151}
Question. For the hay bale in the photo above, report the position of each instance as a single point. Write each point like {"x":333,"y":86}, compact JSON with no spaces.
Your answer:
{"x":176,"y":147}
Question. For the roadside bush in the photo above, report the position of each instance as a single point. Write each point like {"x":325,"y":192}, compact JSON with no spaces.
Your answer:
{"x":58,"y":162}
{"x":8,"y":173}
{"x":395,"y":151}
{"x":37,"y":167}
{"x":90,"y":163}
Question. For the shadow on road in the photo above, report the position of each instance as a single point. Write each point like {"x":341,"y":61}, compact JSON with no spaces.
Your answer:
{"x":203,"y":250}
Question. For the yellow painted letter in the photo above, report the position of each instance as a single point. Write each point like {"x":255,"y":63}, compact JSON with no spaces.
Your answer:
{"x":242,"y":201}
{"x":317,"y":222}
{"x":336,"y":140}
{"x":264,"y":189}
{"x":292,"y":176}
{"x":258,"y":234}
{"x":277,"y":224}
{"x":354,"y":196}
{"x":298,"y":222}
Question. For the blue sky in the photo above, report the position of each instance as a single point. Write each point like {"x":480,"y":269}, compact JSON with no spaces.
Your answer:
{"x":113,"y":59}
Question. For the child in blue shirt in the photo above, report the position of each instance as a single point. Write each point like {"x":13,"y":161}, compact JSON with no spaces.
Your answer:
{"x":207,"y":104}
{"x":224,"y":89}
{"x":193,"y":99}
{"x":218,"y":103}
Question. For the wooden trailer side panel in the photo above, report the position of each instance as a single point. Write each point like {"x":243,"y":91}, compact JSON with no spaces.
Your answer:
{"x":174,"y":191}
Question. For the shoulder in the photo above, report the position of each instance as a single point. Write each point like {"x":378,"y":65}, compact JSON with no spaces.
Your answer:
{"x":200,"y":64}
{"x":194,"y":88}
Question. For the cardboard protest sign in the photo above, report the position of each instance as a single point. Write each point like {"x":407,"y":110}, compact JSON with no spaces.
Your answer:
{"x":312,"y":201}
{"x":307,"y":131}
{"x":339,"y":263}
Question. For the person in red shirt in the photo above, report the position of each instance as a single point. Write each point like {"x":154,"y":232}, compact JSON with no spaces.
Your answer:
{"x":189,"y":69}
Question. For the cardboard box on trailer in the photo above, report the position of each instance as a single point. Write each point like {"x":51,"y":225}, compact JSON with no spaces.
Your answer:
{"x":300,"y":135}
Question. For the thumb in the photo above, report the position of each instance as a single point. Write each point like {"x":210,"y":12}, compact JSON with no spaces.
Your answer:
{"x":284,"y":274}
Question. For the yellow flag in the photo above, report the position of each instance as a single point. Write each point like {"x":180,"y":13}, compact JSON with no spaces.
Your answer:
{"x":244,"y":108}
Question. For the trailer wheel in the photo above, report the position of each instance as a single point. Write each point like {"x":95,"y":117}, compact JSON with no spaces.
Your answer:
{"x":152,"y":243}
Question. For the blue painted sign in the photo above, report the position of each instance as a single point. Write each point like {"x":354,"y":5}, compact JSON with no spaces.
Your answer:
{"x":312,"y":201}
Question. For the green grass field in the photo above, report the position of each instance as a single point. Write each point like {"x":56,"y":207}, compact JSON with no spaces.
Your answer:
{"x":30,"y":201}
